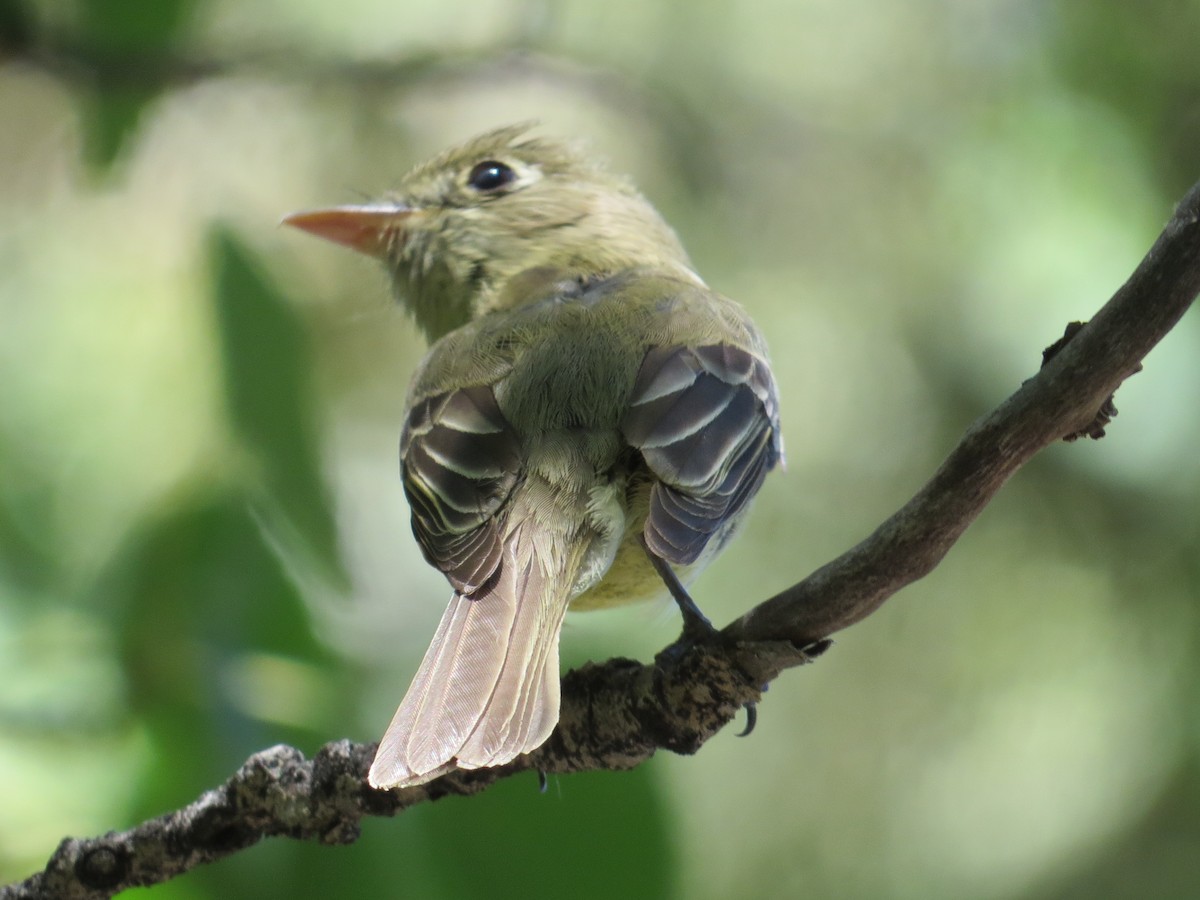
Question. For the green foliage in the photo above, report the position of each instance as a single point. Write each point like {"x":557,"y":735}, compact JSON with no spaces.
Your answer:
{"x":594,"y":835}
{"x":27,"y":537}
{"x":1141,"y":60}
{"x":110,"y":119}
{"x":267,"y":369}
{"x":16,"y":28}
{"x":130,"y":43}
{"x":115,"y":27}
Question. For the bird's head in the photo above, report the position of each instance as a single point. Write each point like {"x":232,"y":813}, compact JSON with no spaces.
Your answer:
{"x":461,"y":227}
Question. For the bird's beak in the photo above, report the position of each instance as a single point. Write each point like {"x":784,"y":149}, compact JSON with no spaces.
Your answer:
{"x":371,"y":228}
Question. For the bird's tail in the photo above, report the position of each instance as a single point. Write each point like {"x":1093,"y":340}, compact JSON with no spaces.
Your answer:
{"x":488,"y":688}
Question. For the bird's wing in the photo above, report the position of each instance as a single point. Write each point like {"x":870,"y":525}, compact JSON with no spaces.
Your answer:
{"x":460,"y":462}
{"x":487,"y":689}
{"x":706,"y":420}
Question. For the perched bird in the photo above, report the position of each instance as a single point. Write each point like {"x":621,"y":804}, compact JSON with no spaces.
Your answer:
{"x":590,"y":422}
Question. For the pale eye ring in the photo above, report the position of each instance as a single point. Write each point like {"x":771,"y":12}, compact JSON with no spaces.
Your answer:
{"x":490,"y":175}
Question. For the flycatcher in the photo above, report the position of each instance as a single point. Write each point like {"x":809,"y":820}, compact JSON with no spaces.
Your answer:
{"x":590,"y":422}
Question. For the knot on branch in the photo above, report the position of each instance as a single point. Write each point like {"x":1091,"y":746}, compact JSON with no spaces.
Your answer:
{"x":102,"y":867}
{"x":1107,"y":411}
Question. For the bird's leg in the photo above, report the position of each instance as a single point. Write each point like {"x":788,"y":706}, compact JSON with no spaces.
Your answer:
{"x":696,"y":626}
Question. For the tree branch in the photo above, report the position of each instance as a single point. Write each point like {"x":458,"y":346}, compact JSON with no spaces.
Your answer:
{"x":1060,"y":401}
{"x":616,"y":714}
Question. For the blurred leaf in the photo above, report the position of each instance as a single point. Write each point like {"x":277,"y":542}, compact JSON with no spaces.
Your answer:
{"x":27,"y":538}
{"x":1156,"y":85}
{"x":596,"y":834}
{"x":133,"y":26}
{"x":269,"y":395}
{"x":16,"y":28}
{"x":196,"y":592}
{"x":110,"y":117}
{"x":128,"y":43}
{"x":1154,"y":857}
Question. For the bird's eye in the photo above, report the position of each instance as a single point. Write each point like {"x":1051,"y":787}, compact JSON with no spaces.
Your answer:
{"x":490,"y":175}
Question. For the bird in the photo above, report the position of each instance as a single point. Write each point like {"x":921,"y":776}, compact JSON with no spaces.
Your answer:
{"x":587,"y":427}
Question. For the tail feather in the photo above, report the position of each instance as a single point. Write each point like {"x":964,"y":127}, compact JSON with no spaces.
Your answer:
{"x":464,"y":673}
{"x":487,"y":690}
{"x":539,"y":712}
{"x":495,"y":731}
{"x":530,"y":712}
{"x":542,"y":721}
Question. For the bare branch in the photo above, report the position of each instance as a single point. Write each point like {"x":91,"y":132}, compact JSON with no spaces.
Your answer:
{"x":617,"y":714}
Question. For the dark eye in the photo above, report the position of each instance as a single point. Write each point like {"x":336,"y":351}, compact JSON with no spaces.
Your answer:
{"x":490,"y":175}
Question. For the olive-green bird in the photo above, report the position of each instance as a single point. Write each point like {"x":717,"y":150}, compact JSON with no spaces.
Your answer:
{"x":590,"y":418}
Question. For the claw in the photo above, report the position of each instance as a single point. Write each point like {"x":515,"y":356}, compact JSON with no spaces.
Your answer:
{"x":815,"y":649}
{"x":751,"y":719}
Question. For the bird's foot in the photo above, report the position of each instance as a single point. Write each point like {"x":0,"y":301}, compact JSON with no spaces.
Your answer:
{"x":697,"y":629}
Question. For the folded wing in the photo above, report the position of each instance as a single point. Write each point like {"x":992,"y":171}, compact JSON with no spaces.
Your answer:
{"x":706,"y":420}
{"x":461,"y":461}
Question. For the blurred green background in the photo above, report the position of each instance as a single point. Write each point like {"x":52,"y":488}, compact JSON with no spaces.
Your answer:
{"x":204,"y":549}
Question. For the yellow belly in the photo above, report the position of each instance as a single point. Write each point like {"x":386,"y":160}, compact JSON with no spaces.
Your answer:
{"x":630,"y":579}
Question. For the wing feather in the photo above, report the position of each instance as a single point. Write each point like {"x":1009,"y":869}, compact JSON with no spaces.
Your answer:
{"x":460,"y":463}
{"x":706,"y":422}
